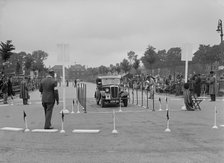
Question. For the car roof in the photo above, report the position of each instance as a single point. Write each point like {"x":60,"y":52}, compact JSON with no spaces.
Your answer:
{"x":109,"y":77}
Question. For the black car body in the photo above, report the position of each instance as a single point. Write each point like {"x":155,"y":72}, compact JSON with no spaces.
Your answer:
{"x":109,"y":90}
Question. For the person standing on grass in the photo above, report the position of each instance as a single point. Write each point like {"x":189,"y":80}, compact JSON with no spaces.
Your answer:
{"x":10,"y":89}
{"x":5,"y":90}
{"x":24,"y":92}
{"x":188,"y":97}
{"x":49,"y":95}
{"x":212,"y":85}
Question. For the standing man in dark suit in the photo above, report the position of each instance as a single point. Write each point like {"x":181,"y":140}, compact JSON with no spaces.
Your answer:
{"x":212,"y":86}
{"x":49,"y":95}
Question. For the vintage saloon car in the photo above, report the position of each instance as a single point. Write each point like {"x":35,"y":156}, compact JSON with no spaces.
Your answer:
{"x":108,"y":90}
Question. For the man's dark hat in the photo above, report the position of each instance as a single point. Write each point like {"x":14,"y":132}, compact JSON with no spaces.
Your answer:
{"x":211,"y":72}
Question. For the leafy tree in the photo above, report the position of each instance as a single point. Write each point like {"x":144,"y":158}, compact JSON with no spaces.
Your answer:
{"x":28,"y":62}
{"x":174,"y":58}
{"x":118,"y":68}
{"x":103,"y":70}
{"x":131,"y":57}
{"x":112,"y":68}
{"x":162,"y":58}
{"x":125,"y":65}
{"x":136,"y":63}
{"x":18,"y":67}
{"x":6,"y":51}
{"x":38,"y":60}
{"x":208,"y":55}
{"x":200,"y":56}
{"x":149,"y":58}
{"x":17,"y":61}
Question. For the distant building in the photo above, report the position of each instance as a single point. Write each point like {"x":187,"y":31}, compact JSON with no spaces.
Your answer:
{"x":76,"y":71}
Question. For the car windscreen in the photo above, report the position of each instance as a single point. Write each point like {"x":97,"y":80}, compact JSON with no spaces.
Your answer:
{"x":110,"y":81}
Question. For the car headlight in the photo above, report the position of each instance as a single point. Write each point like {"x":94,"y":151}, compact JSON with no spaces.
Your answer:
{"x":107,"y":90}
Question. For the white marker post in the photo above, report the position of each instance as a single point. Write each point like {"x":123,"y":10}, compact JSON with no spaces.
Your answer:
{"x":168,"y":121}
{"x":215,"y":121}
{"x":63,"y":57}
{"x":73,"y":106}
{"x":62,"y":123}
{"x":186,"y":55}
{"x":25,"y":121}
{"x":78,"y":105}
{"x":114,"y":130}
{"x":160,"y":105}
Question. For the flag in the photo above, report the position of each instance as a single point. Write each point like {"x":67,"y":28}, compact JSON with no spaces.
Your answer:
{"x":24,"y":115}
{"x":62,"y":116}
{"x":167,"y":115}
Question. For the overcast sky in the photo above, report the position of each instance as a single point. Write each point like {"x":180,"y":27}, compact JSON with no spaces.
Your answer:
{"x":101,"y":32}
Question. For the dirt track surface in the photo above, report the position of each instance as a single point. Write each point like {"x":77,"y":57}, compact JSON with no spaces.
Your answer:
{"x":140,"y":138}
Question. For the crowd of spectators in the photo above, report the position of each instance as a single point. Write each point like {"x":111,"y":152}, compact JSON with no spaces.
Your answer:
{"x":198,"y":83}
{"x":10,"y":85}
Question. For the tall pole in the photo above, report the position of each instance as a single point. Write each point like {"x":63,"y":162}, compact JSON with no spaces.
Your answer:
{"x":63,"y":77}
{"x":186,"y":69}
{"x":63,"y":48}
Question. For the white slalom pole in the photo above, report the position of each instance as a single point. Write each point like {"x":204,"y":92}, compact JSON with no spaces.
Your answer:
{"x":114,"y":130}
{"x":62,"y":128}
{"x":120,"y":106}
{"x":160,"y":105}
{"x":166,"y":103}
{"x":215,"y":125}
{"x":168,"y":118}
{"x":62,"y":123}
{"x":27,"y":129}
{"x":168,"y":126}
{"x":168,"y":123}
{"x":73,"y":106}
{"x":25,"y":120}
{"x":78,"y":107}
{"x":64,"y":110}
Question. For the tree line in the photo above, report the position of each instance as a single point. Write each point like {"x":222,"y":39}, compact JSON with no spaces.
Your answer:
{"x":206,"y":56}
{"x":13,"y":62}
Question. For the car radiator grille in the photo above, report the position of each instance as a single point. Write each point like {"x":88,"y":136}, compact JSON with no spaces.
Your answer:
{"x":114,"y":92}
